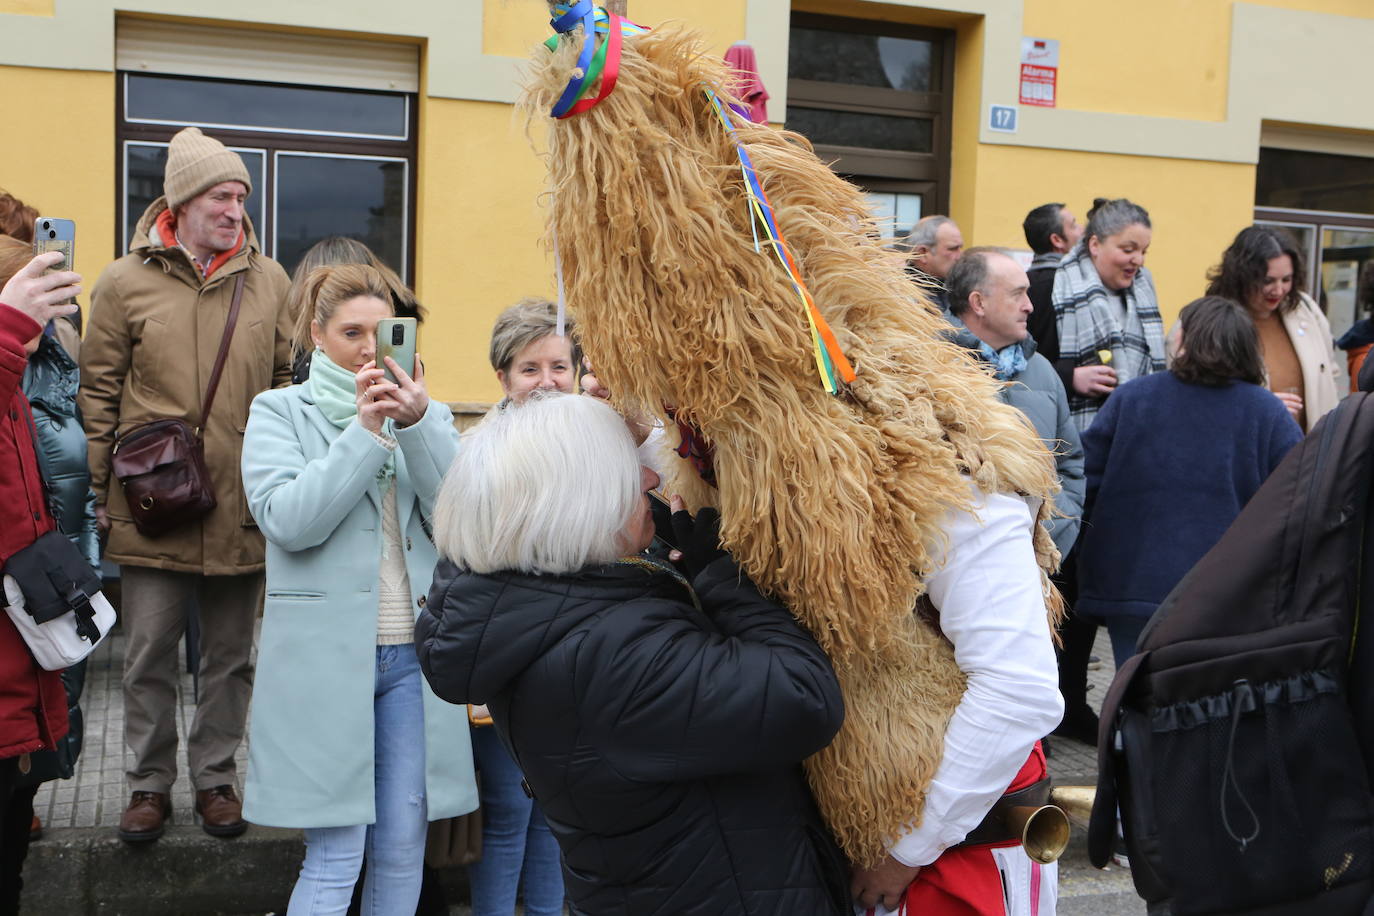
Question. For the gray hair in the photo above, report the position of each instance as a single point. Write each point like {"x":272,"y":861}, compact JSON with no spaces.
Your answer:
{"x":1111,"y":217}
{"x":922,"y":235}
{"x":542,"y":487}
{"x":521,"y":325}
{"x":964,"y":278}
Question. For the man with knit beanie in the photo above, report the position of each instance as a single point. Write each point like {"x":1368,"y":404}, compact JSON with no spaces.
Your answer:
{"x":158,"y":315}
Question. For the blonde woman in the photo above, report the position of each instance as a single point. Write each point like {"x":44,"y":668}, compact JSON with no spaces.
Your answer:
{"x":346,"y":740}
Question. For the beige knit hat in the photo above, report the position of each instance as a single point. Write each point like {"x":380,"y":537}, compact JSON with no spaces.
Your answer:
{"x":196,"y":162}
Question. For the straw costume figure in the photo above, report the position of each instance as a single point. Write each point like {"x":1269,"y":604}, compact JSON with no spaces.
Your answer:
{"x":720,"y":271}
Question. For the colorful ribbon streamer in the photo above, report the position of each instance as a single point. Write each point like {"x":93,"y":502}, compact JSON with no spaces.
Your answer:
{"x":595,"y":60}
{"x":825,"y":348}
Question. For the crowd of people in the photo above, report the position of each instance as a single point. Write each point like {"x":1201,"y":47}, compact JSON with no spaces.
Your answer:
{"x":443,"y":626}
{"x":1161,"y":466}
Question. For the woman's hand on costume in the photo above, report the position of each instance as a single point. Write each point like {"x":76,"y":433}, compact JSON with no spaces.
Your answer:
{"x":882,"y":885}
{"x":1291,"y":401}
{"x":373,"y":404}
{"x":640,"y":425}
{"x":1094,"y":381}
{"x":698,"y":539}
{"x":410,"y":393}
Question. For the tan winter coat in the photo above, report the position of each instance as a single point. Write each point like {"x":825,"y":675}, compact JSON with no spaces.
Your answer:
{"x":154,"y":330}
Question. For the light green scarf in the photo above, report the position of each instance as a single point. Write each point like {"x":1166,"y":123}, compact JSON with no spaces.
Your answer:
{"x":335,"y":392}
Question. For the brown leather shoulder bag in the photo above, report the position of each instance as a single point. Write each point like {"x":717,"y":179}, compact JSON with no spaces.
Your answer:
{"x":161,"y":463}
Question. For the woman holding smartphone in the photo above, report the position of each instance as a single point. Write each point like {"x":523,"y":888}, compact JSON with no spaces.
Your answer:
{"x":346,"y":739}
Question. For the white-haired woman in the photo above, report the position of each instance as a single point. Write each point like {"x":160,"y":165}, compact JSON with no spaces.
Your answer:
{"x":346,"y":740}
{"x":518,"y":851}
{"x":659,"y":722}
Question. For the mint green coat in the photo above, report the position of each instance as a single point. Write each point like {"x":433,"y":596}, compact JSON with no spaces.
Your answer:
{"x":313,"y":490}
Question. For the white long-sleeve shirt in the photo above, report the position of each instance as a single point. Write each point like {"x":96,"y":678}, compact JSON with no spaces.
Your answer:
{"x":988,"y":593}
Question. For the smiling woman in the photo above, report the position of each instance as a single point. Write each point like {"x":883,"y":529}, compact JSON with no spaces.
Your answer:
{"x":1105,"y":307}
{"x":1264,"y":271}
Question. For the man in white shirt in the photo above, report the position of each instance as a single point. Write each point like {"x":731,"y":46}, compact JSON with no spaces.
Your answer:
{"x":987,"y":593}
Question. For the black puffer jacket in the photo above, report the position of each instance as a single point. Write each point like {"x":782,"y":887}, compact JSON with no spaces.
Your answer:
{"x":662,"y":742}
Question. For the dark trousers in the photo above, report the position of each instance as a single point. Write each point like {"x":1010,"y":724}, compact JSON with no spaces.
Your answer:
{"x":16,"y":816}
{"x":1077,"y":634}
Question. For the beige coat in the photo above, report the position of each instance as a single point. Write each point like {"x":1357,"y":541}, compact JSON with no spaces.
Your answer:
{"x":1310,"y":332}
{"x":154,"y":330}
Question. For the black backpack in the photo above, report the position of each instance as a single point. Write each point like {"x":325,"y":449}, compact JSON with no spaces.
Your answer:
{"x":1237,"y":742}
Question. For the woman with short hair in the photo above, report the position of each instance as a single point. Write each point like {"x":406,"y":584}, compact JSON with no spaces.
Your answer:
{"x":1264,"y":271}
{"x":346,"y":739}
{"x":518,"y":851}
{"x":660,"y":722}
{"x":1105,"y":307}
{"x":1171,"y":460}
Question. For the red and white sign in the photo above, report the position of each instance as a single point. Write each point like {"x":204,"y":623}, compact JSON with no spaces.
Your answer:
{"x":1039,"y":71}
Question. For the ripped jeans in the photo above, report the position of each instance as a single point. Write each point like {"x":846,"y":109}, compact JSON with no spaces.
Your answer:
{"x":395,"y":844}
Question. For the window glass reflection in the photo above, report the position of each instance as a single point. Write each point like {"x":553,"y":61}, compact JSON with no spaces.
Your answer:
{"x":895,"y":211}
{"x":1314,"y":181}
{"x":146,"y":164}
{"x":359,"y":197}
{"x":299,"y":109}
{"x":861,"y":60}
{"x":850,"y":128}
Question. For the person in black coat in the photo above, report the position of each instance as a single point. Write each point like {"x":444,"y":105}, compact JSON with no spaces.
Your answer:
{"x":660,"y":722}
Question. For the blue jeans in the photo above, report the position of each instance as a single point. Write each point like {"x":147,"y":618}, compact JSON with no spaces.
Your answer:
{"x":514,"y":835}
{"x":1125,"y":633}
{"x":395,"y":844}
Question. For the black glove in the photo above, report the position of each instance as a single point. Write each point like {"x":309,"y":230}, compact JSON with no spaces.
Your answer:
{"x":698,"y":539}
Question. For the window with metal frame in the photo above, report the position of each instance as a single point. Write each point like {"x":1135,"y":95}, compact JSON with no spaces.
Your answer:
{"x":875,"y":100}
{"x":324,"y":161}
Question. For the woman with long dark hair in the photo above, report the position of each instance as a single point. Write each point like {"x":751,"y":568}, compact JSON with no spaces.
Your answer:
{"x":1264,"y":271}
{"x":1171,"y":460}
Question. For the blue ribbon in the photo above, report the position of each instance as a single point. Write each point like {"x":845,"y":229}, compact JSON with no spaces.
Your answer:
{"x":584,"y":13}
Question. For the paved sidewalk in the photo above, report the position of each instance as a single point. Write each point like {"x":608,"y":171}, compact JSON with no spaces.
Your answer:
{"x":97,"y":794}
{"x":79,"y":816}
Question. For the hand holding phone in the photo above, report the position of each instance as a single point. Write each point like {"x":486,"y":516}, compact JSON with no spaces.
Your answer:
{"x":39,"y":293}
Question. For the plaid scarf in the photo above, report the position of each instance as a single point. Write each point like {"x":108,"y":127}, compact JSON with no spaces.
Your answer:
{"x":1088,"y":322}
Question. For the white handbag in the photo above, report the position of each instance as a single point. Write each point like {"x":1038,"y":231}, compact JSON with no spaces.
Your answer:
{"x":63,"y":616}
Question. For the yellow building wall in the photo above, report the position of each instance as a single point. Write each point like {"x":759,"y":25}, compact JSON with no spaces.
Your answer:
{"x":63,"y":165}
{"x":1196,"y":207}
{"x":1138,"y":60}
{"x":477,"y":237}
{"x":28,"y":7}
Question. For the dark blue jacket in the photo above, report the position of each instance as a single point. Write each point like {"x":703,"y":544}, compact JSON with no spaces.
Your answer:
{"x":1169,"y":466}
{"x":663,"y":740}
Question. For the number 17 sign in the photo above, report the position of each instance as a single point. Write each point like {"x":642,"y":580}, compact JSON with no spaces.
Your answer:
{"x":1039,"y":71}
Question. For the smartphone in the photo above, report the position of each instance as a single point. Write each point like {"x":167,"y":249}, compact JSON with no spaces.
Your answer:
{"x":663,"y":520}
{"x":396,"y":338}
{"x":51,"y":234}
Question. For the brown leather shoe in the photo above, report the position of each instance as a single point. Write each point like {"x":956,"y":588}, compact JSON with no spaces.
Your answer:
{"x":220,"y":811}
{"x":143,"y":819}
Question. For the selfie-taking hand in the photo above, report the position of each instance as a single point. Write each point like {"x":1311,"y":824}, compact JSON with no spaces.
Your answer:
{"x":698,"y":538}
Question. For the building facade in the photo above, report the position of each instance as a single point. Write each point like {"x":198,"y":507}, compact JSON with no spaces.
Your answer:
{"x":396,"y":124}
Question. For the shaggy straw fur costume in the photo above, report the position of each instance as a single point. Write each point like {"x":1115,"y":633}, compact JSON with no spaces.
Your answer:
{"x":833,"y":504}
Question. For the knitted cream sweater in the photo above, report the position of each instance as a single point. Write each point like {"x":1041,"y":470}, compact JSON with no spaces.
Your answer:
{"x":395,"y":620}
